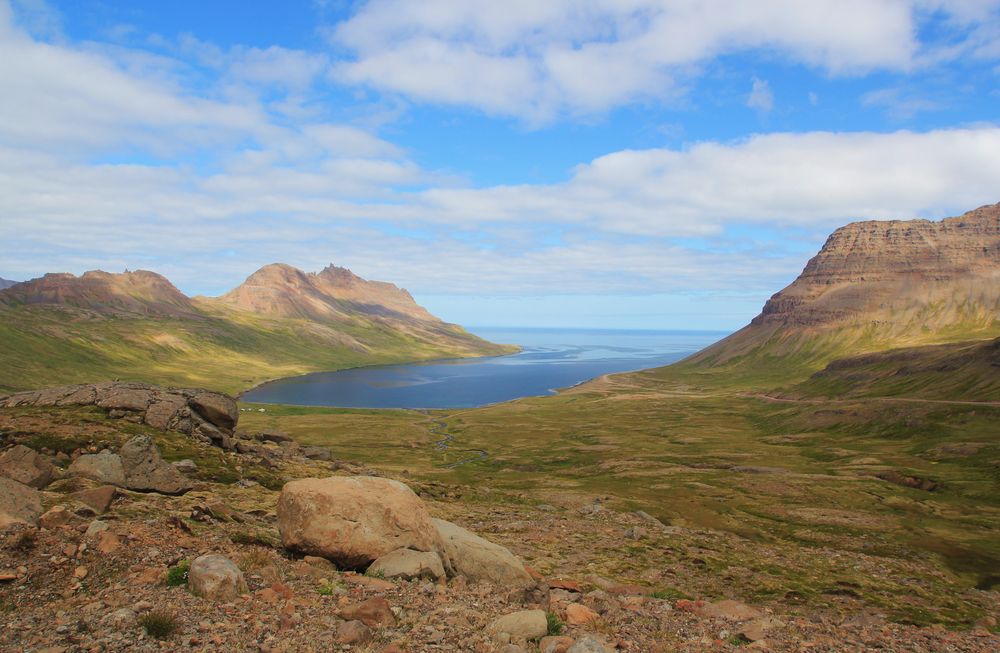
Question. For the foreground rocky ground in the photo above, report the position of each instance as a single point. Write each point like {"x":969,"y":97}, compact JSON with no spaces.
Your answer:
{"x":118,"y":565}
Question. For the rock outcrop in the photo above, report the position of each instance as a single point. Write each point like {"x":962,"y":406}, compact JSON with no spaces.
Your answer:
{"x":883,"y":284}
{"x":208,"y":416}
{"x":355,"y":520}
{"x":104,"y":467}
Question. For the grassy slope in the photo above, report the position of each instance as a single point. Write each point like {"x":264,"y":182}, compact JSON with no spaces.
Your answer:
{"x":689,"y":448}
{"x":46,"y":346}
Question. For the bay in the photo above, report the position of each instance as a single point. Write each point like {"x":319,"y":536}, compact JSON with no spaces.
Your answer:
{"x":550,"y":359}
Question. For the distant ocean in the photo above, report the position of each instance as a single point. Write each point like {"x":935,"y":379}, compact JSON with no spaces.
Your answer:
{"x":550,"y":359}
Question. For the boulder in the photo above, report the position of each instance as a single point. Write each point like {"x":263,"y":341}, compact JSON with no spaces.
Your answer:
{"x":22,"y":464}
{"x":218,"y":409}
{"x":19,"y":504}
{"x":317,"y":453}
{"x":145,"y":471}
{"x":526,"y":624}
{"x":55,"y":517}
{"x":216,"y":577}
{"x":480,"y":560}
{"x":373,"y":613}
{"x":104,"y":467}
{"x":353,"y":632}
{"x":353,"y":520}
{"x":409,"y":564}
{"x":99,"y":498}
{"x":578,"y":614}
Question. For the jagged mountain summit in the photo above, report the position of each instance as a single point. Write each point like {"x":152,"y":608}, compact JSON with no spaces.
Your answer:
{"x":280,"y":322}
{"x":877,"y":285}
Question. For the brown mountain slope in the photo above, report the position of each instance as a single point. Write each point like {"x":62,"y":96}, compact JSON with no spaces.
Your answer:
{"x":140,"y":292}
{"x":335,"y":293}
{"x":878,"y":285}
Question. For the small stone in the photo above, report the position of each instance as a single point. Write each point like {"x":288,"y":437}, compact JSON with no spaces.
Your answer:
{"x":80,"y":573}
{"x":107,"y":542}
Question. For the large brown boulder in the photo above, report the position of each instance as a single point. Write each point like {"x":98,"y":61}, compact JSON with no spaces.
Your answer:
{"x":19,"y":504}
{"x":146,"y":471}
{"x":479,"y":559}
{"x":23,"y":465}
{"x":218,"y":409}
{"x":353,"y":520}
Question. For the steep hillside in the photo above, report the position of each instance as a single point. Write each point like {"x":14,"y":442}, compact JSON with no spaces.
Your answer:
{"x":952,"y":372}
{"x":6,"y":283}
{"x":875,"y":286}
{"x":65,"y":329}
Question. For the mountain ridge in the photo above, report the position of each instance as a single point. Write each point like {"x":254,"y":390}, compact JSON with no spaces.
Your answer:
{"x":280,"y":322}
{"x":878,"y":285}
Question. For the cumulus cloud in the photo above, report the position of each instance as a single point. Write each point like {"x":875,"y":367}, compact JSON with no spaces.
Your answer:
{"x":537,"y":60}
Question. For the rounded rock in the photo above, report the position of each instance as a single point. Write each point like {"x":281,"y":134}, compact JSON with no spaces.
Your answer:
{"x":216,"y":577}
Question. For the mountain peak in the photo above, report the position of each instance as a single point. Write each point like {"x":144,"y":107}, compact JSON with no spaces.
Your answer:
{"x":333,"y":294}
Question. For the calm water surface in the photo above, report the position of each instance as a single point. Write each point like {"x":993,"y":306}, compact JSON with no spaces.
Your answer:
{"x":550,"y":359}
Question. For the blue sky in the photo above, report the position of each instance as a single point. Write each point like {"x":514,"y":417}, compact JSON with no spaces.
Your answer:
{"x":618,"y":163}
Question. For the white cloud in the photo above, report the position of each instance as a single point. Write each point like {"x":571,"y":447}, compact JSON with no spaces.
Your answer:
{"x":761,"y":98}
{"x":536,"y":60}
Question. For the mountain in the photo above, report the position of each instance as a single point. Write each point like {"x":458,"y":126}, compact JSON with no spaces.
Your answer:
{"x":6,"y":283}
{"x":280,"y":322}
{"x":333,"y":294}
{"x":139,"y":293}
{"x":878,"y":285}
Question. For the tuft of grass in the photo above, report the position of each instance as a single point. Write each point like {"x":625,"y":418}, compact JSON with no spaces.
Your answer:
{"x":178,"y":574}
{"x":669,"y":594}
{"x":327,"y":589}
{"x":159,"y":624}
{"x":256,"y":558}
{"x":555,"y":624}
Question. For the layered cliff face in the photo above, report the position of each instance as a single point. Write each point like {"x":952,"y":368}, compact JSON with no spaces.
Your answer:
{"x":140,"y":292}
{"x":876,"y":285}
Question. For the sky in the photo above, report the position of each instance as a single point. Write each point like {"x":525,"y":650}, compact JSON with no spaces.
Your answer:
{"x":659,"y":164}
